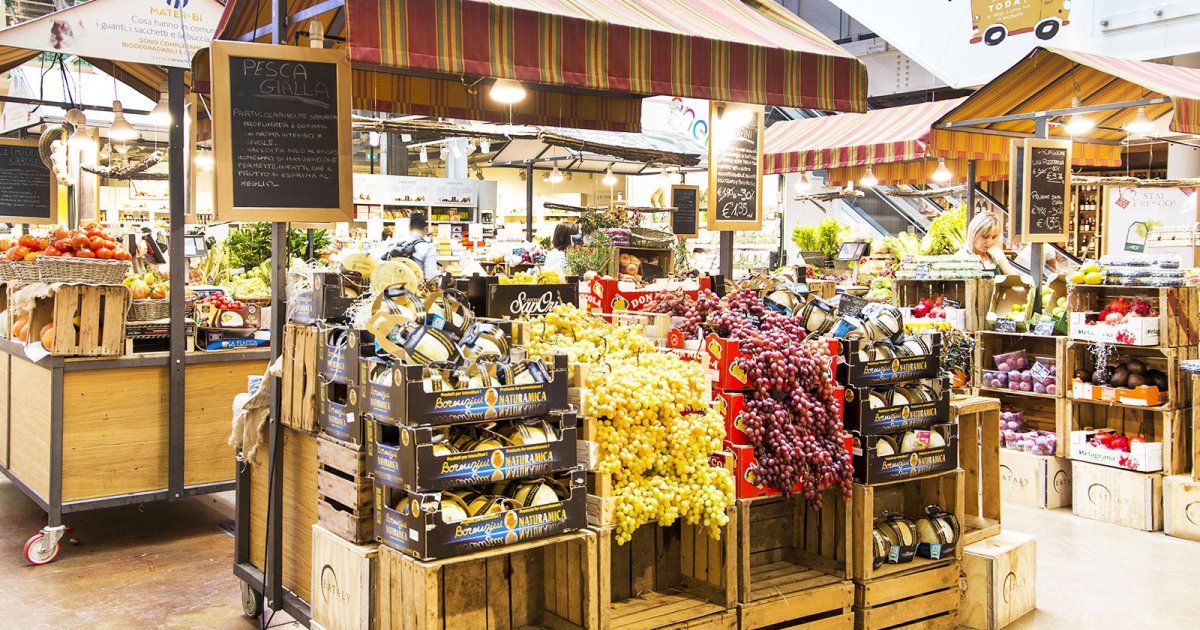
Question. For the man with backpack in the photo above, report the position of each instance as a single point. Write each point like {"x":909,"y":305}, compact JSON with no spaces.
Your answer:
{"x":417,"y":247}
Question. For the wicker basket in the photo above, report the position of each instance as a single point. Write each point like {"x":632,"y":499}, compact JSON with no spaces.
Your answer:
{"x":151,"y":310}
{"x":24,"y":272}
{"x":81,"y":270}
{"x":5,"y":274}
{"x":650,"y":239}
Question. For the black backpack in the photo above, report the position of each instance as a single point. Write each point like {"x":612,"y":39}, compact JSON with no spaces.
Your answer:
{"x":404,"y":250}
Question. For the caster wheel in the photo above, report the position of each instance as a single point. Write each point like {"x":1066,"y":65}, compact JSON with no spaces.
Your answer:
{"x":38,"y":551}
{"x":252,"y":603}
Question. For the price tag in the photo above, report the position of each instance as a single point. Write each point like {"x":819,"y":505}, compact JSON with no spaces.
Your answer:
{"x":923,"y":271}
{"x":1039,"y":371}
{"x":851,"y":305}
{"x":935,"y":551}
{"x":1004,"y":324}
{"x":800,"y":288}
{"x":893,"y":556}
{"x":950,"y":303}
{"x":1044,"y":328}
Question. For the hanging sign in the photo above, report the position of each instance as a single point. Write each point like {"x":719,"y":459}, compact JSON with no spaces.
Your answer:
{"x":686,"y":201}
{"x":281,"y":133}
{"x":735,"y":167}
{"x":1046,"y":191}
{"x":27,"y":189}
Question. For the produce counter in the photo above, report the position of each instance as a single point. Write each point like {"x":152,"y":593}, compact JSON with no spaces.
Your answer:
{"x":87,"y":433}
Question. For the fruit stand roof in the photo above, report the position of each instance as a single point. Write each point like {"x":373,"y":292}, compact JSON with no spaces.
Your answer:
{"x":427,"y":57}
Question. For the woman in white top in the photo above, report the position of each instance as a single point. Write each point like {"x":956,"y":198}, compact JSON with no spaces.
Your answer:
{"x":983,"y":240}
{"x":556,"y":258}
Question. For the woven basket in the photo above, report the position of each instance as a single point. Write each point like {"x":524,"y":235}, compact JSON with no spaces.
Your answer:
{"x":81,"y":270}
{"x":23,"y":271}
{"x":650,"y":239}
{"x":5,"y":274}
{"x":150,"y":310}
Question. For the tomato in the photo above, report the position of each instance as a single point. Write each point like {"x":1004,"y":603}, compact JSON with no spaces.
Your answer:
{"x":61,"y":232}
{"x":123,"y":255}
{"x":96,"y":243}
{"x":104,"y":253}
{"x":93,"y":231}
{"x":79,"y":241}
{"x":32,"y":256}
{"x":52,"y":251}
{"x":85,"y":253}
{"x":43,"y":243}
{"x":27,"y":240}
{"x":110,"y":244}
{"x":19,"y":252}
{"x":62,"y":244}
{"x":68,"y":254}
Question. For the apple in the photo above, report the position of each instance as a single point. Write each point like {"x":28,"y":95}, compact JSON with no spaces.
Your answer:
{"x":1119,"y":443}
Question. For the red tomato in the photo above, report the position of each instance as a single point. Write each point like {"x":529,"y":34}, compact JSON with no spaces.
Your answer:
{"x":93,"y":231}
{"x":104,"y":253}
{"x":18,"y":252}
{"x":62,"y":244}
{"x":32,"y":256}
{"x":68,"y":254}
{"x":61,"y":232}
{"x":110,"y":244}
{"x":28,"y":241}
{"x":85,"y":253}
{"x":79,"y":241}
{"x":95,"y":243}
{"x":43,"y":243}
{"x":123,"y":255}
{"x":53,"y":251}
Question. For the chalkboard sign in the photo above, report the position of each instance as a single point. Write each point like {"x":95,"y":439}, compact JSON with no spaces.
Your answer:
{"x":1005,"y":324}
{"x":282,"y":133}
{"x":686,"y":201}
{"x":1045,"y":194}
{"x":735,"y":167}
{"x":27,"y":192}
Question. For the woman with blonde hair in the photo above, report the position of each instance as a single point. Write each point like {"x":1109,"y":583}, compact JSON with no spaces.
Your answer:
{"x":983,"y":241}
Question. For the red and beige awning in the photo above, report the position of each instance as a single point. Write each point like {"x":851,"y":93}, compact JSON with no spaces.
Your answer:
{"x":605,"y":54}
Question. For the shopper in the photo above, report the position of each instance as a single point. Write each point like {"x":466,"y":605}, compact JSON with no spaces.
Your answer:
{"x":564,"y":235}
{"x":417,"y":247}
{"x":983,"y":240}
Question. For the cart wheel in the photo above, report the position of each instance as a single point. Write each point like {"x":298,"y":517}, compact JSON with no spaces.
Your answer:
{"x":38,"y":550}
{"x":252,"y":603}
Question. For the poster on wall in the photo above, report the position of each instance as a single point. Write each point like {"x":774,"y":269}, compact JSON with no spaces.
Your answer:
{"x":281,"y":141}
{"x":28,"y":193}
{"x":735,"y":167}
{"x":1045,"y":191}
{"x":1133,"y":214}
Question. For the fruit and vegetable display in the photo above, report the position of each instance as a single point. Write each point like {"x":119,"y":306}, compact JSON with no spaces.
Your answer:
{"x":1013,"y":433}
{"x":1088,"y":273}
{"x":1115,"y":441}
{"x":656,"y":426}
{"x":547,"y":276}
{"x":930,"y":307}
{"x":946,"y":233}
{"x":1120,"y":310}
{"x":92,"y":242}
{"x":827,"y":237}
{"x":150,"y":285}
{"x":1015,"y":371}
{"x":218,"y":299}
{"x":1131,"y":373}
{"x":1132,"y":270}
{"x":881,"y":290}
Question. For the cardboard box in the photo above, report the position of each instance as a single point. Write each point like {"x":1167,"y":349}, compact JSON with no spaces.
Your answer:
{"x":1001,"y":578}
{"x":606,"y":294}
{"x":1142,"y":395}
{"x":724,"y":355}
{"x":339,"y":349}
{"x":1142,"y":456}
{"x":741,"y":462}
{"x":404,"y":457}
{"x":227,"y":338}
{"x":730,"y":406}
{"x":1042,"y":481}
{"x":300,"y":308}
{"x":860,"y":417}
{"x":339,"y":414}
{"x":414,"y":523}
{"x":1138,"y":331}
{"x":1009,"y":291}
{"x":405,"y":401}
{"x":851,"y":371}
{"x":209,"y":316}
{"x":870,"y":467}
{"x":334,"y":292}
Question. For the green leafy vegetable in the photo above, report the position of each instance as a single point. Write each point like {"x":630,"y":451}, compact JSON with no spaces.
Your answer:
{"x":946,"y":234}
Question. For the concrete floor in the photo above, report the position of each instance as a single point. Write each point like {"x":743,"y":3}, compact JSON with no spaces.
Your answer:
{"x":169,"y":566}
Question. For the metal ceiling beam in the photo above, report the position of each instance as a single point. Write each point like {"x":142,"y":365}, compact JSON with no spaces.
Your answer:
{"x":1051,"y":112}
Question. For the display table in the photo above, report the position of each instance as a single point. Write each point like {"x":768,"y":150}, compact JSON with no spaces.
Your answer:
{"x":79,"y":434}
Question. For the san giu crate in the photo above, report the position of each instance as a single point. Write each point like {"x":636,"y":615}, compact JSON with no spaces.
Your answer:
{"x":339,"y":348}
{"x":1181,"y":507}
{"x":1042,"y":481}
{"x":852,"y":371}
{"x":1001,"y":579}
{"x":343,"y":582}
{"x":793,"y":563}
{"x":908,"y":498}
{"x":862,"y":417}
{"x":550,"y":583}
{"x":344,"y":490}
{"x":89,"y":321}
{"x":870,"y":466}
{"x":926,"y":599}
{"x":298,"y":407}
{"x":978,"y":456}
{"x":1121,"y":497}
{"x":669,"y":577}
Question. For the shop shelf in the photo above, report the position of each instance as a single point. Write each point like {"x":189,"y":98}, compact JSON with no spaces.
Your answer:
{"x":909,"y":497}
{"x":1178,"y":308}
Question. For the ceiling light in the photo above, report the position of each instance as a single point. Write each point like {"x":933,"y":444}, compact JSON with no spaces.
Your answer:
{"x":1078,"y":124}
{"x":406,"y":137}
{"x":507,"y":91}
{"x":470,"y":147}
{"x":121,"y":130}
{"x":105,"y":152}
{"x":555,"y":176}
{"x":869,"y":180}
{"x":1141,"y":124}
{"x":160,"y":116}
{"x":373,"y":138}
{"x":204,"y":160}
{"x":942,"y":173}
{"x":81,"y":140}
{"x":444,"y":153}
{"x":609,"y":179}
{"x":479,"y":174}
{"x":802,"y":185}
{"x":485,"y":145}
{"x":424,"y":155}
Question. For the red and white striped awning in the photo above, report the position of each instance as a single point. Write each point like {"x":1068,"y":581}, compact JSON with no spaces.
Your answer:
{"x":882,"y":136}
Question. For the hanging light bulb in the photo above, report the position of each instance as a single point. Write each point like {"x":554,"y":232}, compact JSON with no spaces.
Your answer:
{"x":485,"y":145}
{"x":373,"y":138}
{"x":444,"y":153}
{"x":479,"y":174}
{"x":942,"y":173}
{"x":121,"y":130}
{"x":406,"y":137}
{"x":507,"y":91}
{"x":1079,"y":124}
{"x":609,"y":179}
{"x":555,"y":176}
{"x":470,"y":146}
{"x":424,"y":155}
{"x":105,"y":152}
{"x":1141,"y":124}
{"x":82,"y":141}
{"x":160,"y":116}
{"x":204,"y":161}
{"x":802,"y":185}
{"x":868,"y":179}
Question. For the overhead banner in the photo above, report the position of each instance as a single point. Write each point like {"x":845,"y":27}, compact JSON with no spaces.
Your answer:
{"x":162,"y":33}
{"x":967,"y":43}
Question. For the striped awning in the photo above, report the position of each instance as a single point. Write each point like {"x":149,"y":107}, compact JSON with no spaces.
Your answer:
{"x":896,"y":134}
{"x":740,"y":50}
{"x":918,"y":172}
{"x":1046,"y":79}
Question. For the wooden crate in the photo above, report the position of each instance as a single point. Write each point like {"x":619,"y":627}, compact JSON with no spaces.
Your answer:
{"x":974,"y":294}
{"x":669,"y":577}
{"x":989,"y":343}
{"x":1001,"y":579}
{"x":1117,"y":496}
{"x":343,"y":582}
{"x":793,"y":563}
{"x":1041,"y":413}
{"x":666,"y":258}
{"x":979,"y":457}
{"x":100,"y":312}
{"x":1181,"y":507}
{"x":549,"y":583}
{"x":1042,"y":481}
{"x":344,"y":504}
{"x":1178,"y":308}
{"x":1179,"y":390}
{"x":1168,"y":427}
{"x":299,"y":509}
{"x":926,"y":599}
{"x":298,"y":407}
{"x":908,"y":497}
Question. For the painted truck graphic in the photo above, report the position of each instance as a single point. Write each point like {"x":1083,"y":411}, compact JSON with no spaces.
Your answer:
{"x":995,"y":20}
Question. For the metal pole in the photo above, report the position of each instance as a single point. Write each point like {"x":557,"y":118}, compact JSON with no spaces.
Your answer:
{"x":725,"y":255}
{"x":971,"y":183}
{"x":529,"y":201}
{"x":178,"y":272}
{"x":1035,"y":249}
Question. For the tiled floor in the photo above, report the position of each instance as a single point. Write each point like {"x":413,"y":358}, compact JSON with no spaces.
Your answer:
{"x":169,"y":566}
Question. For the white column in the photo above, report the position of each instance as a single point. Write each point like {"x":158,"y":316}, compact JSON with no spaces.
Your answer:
{"x":1182,"y":161}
